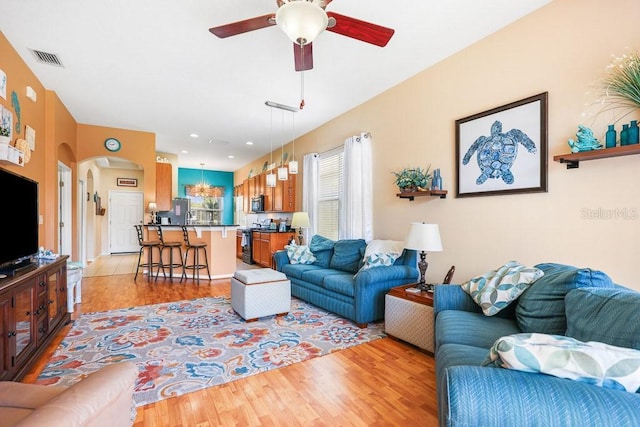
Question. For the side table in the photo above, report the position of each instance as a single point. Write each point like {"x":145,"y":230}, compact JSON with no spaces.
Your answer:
{"x":409,"y":316}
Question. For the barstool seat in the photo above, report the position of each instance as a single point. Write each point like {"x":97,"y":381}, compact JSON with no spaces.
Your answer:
{"x":195,"y":246}
{"x":172,"y":245}
{"x":149,"y":245}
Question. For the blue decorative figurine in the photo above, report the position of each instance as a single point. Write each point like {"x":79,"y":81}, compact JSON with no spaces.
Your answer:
{"x":586,"y":141}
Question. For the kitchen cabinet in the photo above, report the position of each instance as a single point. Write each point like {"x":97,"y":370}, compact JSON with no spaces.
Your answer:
{"x":239,"y":244}
{"x":164,"y":173}
{"x":265,"y":244}
{"x":246,"y":196}
{"x":32,"y":311}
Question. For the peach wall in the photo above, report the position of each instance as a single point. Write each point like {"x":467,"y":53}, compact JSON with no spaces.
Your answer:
{"x":19,"y":76}
{"x":561,"y":49}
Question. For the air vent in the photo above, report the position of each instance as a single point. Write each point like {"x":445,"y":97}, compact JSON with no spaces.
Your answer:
{"x":47,"y":58}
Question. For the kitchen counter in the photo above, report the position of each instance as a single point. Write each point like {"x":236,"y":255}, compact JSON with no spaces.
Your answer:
{"x":221,"y":246}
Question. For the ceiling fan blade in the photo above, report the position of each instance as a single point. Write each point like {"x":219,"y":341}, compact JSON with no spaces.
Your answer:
{"x":360,"y":30}
{"x":303,"y":56}
{"x":245,"y":26}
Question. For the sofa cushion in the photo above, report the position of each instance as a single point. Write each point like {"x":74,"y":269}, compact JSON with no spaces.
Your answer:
{"x":347,"y":255}
{"x":541,"y":307}
{"x":608,"y":315}
{"x":589,"y":362}
{"x":297,"y":270}
{"x":320,"y":243}
{"x":317,"y":276}
{"x":322,"y":249}
{"x":323,"y":257}
{"x":474,"y":329}
{"x":496,"y":289}
{"x":452,"y":354}
{"x":341,"y":283}
{"x":299,"y":254}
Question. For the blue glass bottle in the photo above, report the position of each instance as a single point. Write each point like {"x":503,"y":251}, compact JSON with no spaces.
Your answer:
{"x":610,"y":137}
{"x":633,"y":137}
{"x":624,"y":135}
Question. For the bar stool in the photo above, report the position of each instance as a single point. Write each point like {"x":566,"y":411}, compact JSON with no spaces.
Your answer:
{"x":195,"y":246}
{"x":172,"y":246}
{"x":149,"y":245}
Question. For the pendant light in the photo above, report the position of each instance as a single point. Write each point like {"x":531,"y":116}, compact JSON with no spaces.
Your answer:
{"x":293,"y":163}
{"x":283,"y":172}
{"x":202,"y":189}
{"x":271,"y":177}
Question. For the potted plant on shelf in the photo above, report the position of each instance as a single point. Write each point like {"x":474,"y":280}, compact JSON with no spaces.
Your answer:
{"x":412,"y":179}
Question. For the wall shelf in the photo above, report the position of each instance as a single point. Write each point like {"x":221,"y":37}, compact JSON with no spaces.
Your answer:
{"x":573,"y":159}
{"x":431,"y":193}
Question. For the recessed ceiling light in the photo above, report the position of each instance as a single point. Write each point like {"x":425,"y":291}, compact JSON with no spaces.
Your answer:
{"x":194,"y":135}
{"x":184,"y":151}
{"x":231,"y":157}
{"x":249,"y":142}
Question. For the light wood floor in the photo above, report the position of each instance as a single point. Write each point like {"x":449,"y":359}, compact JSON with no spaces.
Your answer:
{"x":383,"y":383}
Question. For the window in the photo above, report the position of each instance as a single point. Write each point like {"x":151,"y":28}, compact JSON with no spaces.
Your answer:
{"x":330,"y":184}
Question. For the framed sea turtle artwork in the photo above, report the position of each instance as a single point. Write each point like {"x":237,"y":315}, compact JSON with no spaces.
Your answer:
{"x":503,"y":150}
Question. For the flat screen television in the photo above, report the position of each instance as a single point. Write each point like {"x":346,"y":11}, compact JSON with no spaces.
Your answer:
{"x":19,"y":212}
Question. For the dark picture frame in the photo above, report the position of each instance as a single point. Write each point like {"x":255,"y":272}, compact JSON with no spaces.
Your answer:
{"x":503,"y":150}
{"x":127,"y":182}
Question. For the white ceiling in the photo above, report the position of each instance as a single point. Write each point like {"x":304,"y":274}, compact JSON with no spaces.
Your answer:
{"x":152,"y":65}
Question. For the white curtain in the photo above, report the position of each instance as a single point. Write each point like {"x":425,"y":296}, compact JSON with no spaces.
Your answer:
{"x":357,"y":201}
{"x":310,"y":193}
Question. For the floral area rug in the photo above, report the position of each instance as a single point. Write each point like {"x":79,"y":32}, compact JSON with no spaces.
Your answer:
{"x":184,"y":346}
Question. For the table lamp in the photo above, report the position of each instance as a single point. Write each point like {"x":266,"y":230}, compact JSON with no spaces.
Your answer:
{"x":424,"y":237}
{"x":300,"y":220}
{"x":153,"y":208}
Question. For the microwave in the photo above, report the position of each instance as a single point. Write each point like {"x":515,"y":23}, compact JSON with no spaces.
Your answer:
{"x":257,"y":204}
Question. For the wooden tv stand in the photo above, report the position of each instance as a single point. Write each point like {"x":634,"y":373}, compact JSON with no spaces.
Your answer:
{"x":33,"y":308}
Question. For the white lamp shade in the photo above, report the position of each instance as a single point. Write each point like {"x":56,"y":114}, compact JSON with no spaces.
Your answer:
{"x":300,"y":220}
{"x":301,"y":21}
{"x":293,"y":167}
{"x":152,"y":207}
{"x":424,"y":237}
{"x":271,"y":180}
{"x":283,"y":173}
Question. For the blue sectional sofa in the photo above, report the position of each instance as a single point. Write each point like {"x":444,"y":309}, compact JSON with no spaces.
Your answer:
{"x":578,"y":303}
{"x":334,"y":280}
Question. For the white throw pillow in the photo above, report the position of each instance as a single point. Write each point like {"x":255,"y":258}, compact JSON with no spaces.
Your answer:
{"x":498,"y":288}
{"x":379,"y":253}
{"x":590,"y":362}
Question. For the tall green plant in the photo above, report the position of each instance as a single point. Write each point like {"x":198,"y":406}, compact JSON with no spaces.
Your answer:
{"x":621,"y":84}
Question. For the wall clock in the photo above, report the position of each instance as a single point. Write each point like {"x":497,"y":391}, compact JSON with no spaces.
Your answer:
{"x":112,"y":144}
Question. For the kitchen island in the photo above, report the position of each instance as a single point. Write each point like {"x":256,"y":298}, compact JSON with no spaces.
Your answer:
{"x":221,"y":246}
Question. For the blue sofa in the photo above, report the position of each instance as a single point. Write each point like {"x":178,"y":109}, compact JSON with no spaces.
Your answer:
{"x":580,"y":303}
{"x":334,"y":281}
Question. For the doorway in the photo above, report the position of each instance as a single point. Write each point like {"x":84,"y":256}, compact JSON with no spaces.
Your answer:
{"x":64,"y":210}
{"x":126,"y":209}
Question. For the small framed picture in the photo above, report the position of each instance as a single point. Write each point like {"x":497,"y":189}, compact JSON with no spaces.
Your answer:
{"x":127,"y":182}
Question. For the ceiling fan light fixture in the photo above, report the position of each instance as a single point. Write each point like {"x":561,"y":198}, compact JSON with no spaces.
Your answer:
{"x":302,"y":20}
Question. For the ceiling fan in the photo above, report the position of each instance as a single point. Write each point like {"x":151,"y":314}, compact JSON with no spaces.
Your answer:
{"x":302,"y":21}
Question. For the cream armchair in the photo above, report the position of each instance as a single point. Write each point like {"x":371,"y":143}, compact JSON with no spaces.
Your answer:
{"x":103,"y":398}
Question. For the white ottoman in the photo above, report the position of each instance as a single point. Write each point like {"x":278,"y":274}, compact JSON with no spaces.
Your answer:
{"x":260,"y":292}
{"x":74,"y":285}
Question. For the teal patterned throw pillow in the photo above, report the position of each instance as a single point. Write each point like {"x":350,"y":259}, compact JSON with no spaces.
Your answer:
{"x":590,"y":362}
{"x":498,"y":288}
{"x":300,"y":254}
